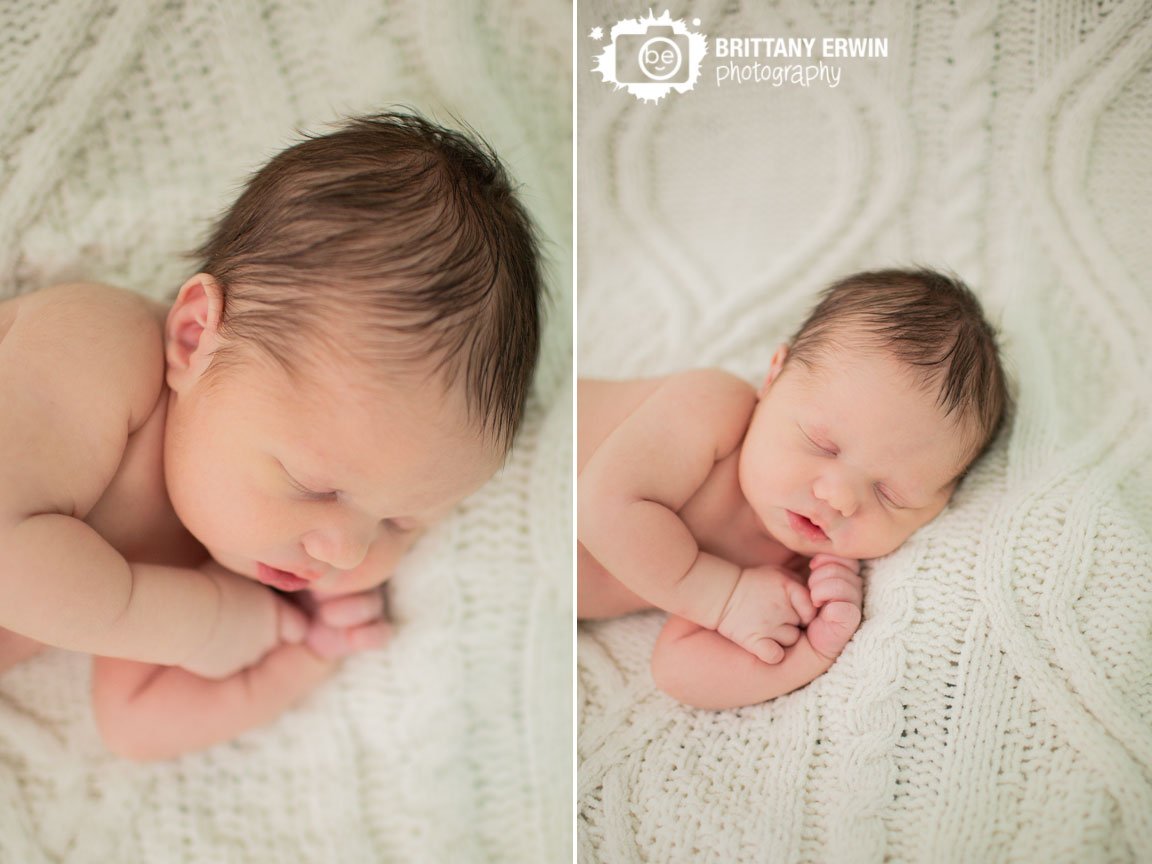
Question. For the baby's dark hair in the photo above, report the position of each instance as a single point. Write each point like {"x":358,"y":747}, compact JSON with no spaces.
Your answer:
{"x":414,"y":228}
{"x":930,"y":321}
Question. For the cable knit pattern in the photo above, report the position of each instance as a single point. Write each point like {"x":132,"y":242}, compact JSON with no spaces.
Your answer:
{"x":127,"y":127}
{"x":996,"y":703}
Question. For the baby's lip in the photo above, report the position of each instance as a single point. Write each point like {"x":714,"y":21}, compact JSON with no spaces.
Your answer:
{"x":806,"y":526}
{"x":284,"y":580}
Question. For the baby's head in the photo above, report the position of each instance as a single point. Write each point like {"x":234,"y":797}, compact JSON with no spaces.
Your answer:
{"x":355,"y":355}
{"x":874,"y":412}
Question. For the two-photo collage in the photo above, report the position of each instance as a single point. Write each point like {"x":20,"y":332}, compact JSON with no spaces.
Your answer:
{"x":583,"y":432}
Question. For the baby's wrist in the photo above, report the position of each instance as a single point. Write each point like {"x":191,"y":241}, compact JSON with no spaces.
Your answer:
{"x":733,"y":601}
{"x":714,"y":583}
{"x":245,"y":623}
{"x":212,"y":629}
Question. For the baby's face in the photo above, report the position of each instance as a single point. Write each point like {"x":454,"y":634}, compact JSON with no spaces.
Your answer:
{"x":850,"y":459}
{"x":321,"y":486}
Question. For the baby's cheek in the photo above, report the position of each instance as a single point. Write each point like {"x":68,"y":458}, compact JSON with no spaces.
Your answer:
{"x":872,"y":539}
{"x":381,"y":561}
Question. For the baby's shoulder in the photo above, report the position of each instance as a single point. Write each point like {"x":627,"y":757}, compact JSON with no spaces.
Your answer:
{"x":710,"y":383}
{"x":104,"y":303}
{"x":88,"y":338}
{"x":711,"y":405}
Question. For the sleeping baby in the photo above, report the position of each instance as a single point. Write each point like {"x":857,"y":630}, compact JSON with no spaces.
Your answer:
{"x":208,"y":496}
{"x":745,"y":514}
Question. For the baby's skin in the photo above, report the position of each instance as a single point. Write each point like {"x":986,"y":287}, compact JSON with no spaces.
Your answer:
{"x":746,"y":514}
{"x":142,"y":504}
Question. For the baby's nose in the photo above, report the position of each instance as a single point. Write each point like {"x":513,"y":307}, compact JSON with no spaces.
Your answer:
{"x":344,"y":550}
{"x":837,"y":495}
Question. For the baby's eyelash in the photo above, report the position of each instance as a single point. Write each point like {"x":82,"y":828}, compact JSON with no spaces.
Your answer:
{"x":884,"y":499}
{"x":829,"y":451}
{"x":312,"y":494}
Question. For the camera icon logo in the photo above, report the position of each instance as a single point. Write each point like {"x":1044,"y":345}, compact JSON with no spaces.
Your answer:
{"x":660,"y":55}
{"x":650,"y":57}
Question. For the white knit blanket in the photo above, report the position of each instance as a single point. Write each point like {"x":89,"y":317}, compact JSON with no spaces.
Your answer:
{"x":124,"y":129}
{"x":996,"y":703}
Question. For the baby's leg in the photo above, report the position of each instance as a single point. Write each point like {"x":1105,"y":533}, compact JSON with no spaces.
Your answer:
{"x":15,"y":649}
{"x":599,"y":594}
{"x":146,"y":712}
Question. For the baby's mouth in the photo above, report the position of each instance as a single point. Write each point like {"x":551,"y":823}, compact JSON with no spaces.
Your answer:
{"x":280,"y":579}
{"x":805,"y":527}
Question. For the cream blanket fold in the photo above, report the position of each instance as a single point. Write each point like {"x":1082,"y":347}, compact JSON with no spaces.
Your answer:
{"x":126,"y":128}
{"x":996,"y":703}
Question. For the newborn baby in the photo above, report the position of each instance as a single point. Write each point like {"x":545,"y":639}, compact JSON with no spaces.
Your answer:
{"x":207,"y":496}
{"x":745,"y":513}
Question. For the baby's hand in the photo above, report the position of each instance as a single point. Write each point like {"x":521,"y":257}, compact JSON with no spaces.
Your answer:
{"x":838,"y":592}
{"x":764,"y":614}
{"x":343,"y":624}
{"x":251,"y":620}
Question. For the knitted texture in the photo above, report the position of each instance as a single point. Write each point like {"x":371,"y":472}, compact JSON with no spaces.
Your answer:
{"x":996,"y":703}
{"x":127,"y":127}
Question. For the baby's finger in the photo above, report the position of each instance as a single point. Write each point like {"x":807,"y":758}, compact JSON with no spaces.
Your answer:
{"x":834,"y":627}
{"x":292,"y":624}
{"x":801,"y":599}
{"x":829,"y":584}
{"x":765,"y":650}
{"x":786,"y":635}
{"x":332,"y":642}
{"x":370,"y":636}
{"x":352,"y":610}
{"x":329,"y":642}
{"x":822,"y":558}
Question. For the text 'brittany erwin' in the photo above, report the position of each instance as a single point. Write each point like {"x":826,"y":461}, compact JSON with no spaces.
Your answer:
{"x":797,"y":47}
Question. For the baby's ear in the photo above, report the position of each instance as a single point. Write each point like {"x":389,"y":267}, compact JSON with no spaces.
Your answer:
{"x":191,"y":331}
{"x":774,"y":370}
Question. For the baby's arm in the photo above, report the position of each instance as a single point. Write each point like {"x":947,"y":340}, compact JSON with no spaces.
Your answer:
{"x":80,"y":369}
{"x":703,"y":669}
{"x":146,"y":712}
{"x":646,"y":470}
